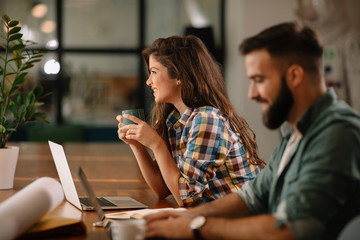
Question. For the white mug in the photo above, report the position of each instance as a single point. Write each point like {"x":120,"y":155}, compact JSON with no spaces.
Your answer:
{"x":133,"y":229}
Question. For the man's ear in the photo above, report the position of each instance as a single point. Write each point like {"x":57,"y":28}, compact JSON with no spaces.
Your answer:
{"x":294,"y":76}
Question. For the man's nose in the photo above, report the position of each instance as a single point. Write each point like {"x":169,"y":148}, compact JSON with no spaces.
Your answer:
{"x":252,"y":92}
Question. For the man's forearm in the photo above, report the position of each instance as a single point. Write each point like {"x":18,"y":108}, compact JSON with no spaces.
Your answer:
{"x":230,"y":206}
{"x":229,"y":218}
{"x":255,"y":227}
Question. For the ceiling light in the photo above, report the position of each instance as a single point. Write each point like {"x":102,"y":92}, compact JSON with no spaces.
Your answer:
{"x":39,"y":10}
{"x":48,"y":26}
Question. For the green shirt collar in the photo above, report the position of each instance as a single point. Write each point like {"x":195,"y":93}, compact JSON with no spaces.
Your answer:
{"x":315,"y":110}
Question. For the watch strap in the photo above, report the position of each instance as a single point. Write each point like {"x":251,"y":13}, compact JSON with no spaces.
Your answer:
{"x":197,"y":234}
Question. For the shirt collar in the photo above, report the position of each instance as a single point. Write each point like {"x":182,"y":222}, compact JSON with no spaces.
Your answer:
{"x":315,"y":110}
{"x":286,"y":129}
{"x":175,"y":120}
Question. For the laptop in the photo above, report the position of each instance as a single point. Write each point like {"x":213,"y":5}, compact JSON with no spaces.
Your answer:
{"x":83,"y":203}
{"x":113,"y":228}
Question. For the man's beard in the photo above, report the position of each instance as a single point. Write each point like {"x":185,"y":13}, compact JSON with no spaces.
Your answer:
{"x":279,"y":110}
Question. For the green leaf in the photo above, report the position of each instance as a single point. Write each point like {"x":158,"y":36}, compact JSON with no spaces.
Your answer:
{"x":38,"y":91}
{"x":18,"y":62}
{"x":6,"y":92}
{"x":30,"y":111}
{"x":18,"y":80}
{"x":30,"y":100}
{"x":17,"y":47}
{"x":15,"y":37}
{"x":6,"y":18}
{"x":34,"y":61}
{"x":15,"y":30}
{"x":27,"y":66}
{"x":16,"y":59}
{"x":9,"y":125}
{"x":21,"y":113}
{"x":13,"y":89}
{"x":13,"y":23}
{"x":41,"y":117}
{"x":13,"y":109}
{"x":10,"y":73}
{"x":2,"y":129}
{"x":37,"y":56}
{"x":20,"y":99}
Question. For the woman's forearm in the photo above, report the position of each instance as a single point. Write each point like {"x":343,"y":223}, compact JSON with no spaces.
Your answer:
{"x":150,"y":171}
{"x":169,"y":171}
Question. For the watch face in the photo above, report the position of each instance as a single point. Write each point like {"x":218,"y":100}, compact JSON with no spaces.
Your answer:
{"x":197,"y":222}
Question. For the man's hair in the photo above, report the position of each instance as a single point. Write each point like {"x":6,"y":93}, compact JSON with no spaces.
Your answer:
{"x":288,"y":43}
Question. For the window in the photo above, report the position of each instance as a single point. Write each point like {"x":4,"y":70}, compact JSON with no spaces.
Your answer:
{"x":94,"y":67}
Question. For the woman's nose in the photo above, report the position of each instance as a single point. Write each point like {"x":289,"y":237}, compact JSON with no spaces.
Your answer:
{"x":148,"y":82}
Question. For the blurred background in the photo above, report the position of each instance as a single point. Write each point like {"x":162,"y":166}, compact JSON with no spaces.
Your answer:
{"x":94,"y":67}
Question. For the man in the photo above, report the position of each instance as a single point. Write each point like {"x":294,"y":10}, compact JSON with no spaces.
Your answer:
{"x":310,"y":187}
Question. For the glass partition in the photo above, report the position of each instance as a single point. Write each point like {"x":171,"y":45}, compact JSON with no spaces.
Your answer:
{"x":94,"y":67}
{"x":101,"y":24}
{"x":100,"y":86}
{"x":37,"y":18}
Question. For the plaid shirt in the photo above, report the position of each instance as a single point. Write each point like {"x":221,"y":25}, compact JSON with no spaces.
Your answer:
{"x":209,"y":155}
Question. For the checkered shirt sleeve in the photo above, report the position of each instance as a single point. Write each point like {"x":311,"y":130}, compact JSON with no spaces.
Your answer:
{"x":210,"y":156}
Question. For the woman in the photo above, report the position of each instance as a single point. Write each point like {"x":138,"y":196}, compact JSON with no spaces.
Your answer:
{"x":203,"y":149}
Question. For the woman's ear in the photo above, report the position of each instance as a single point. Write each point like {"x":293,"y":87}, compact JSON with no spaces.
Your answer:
{"x":294,"y":76}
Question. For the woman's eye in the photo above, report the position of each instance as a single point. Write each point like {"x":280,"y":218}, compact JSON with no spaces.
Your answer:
{"x":153,"y":72}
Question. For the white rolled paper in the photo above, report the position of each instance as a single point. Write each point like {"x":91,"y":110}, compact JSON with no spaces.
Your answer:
{"x":22,"y":210}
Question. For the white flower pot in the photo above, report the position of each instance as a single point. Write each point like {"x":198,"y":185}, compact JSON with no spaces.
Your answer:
{"x":8,"y":160}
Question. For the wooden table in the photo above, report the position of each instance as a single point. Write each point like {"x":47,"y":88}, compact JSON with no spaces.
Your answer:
{"x":110,"y":167}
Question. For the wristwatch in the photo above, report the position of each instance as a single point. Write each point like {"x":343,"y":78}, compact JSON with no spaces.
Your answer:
{"x":196,"y":224}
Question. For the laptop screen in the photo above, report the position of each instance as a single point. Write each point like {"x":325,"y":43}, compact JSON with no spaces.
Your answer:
{"x":91,"y":195}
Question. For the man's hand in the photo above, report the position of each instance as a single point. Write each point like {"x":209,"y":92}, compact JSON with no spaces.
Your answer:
{"x":170,"y":224}
{"x":169,"y":214}
{"x":172,"y":228}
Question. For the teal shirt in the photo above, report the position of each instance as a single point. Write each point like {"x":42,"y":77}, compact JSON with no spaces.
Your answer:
{"x":319,"y":190}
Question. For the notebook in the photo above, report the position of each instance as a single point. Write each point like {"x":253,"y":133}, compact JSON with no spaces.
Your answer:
{"x":83,"y":203}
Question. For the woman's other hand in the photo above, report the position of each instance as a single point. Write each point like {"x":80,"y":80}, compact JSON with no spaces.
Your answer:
{"x":122,"y":132}
{"x":140,"y":132}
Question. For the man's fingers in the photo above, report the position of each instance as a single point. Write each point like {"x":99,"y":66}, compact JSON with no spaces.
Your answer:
{"x":159,"y":215}
{"x":153,"y":229}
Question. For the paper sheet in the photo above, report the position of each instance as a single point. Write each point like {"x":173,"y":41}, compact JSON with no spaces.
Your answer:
{"x":22,"y":210}
{"x":138,"y":213}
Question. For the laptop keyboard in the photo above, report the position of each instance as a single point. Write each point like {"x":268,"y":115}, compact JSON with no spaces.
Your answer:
{"x":103,"y":202}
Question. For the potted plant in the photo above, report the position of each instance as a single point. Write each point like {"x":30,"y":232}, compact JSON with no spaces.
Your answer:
{"x":16,"y":105}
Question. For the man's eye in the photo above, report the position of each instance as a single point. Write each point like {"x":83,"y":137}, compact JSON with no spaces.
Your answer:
{"x":153,"y":72}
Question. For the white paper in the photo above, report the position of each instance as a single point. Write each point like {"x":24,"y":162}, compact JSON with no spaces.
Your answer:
{"x":138,"y":213}
{"x":22,"y":210}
